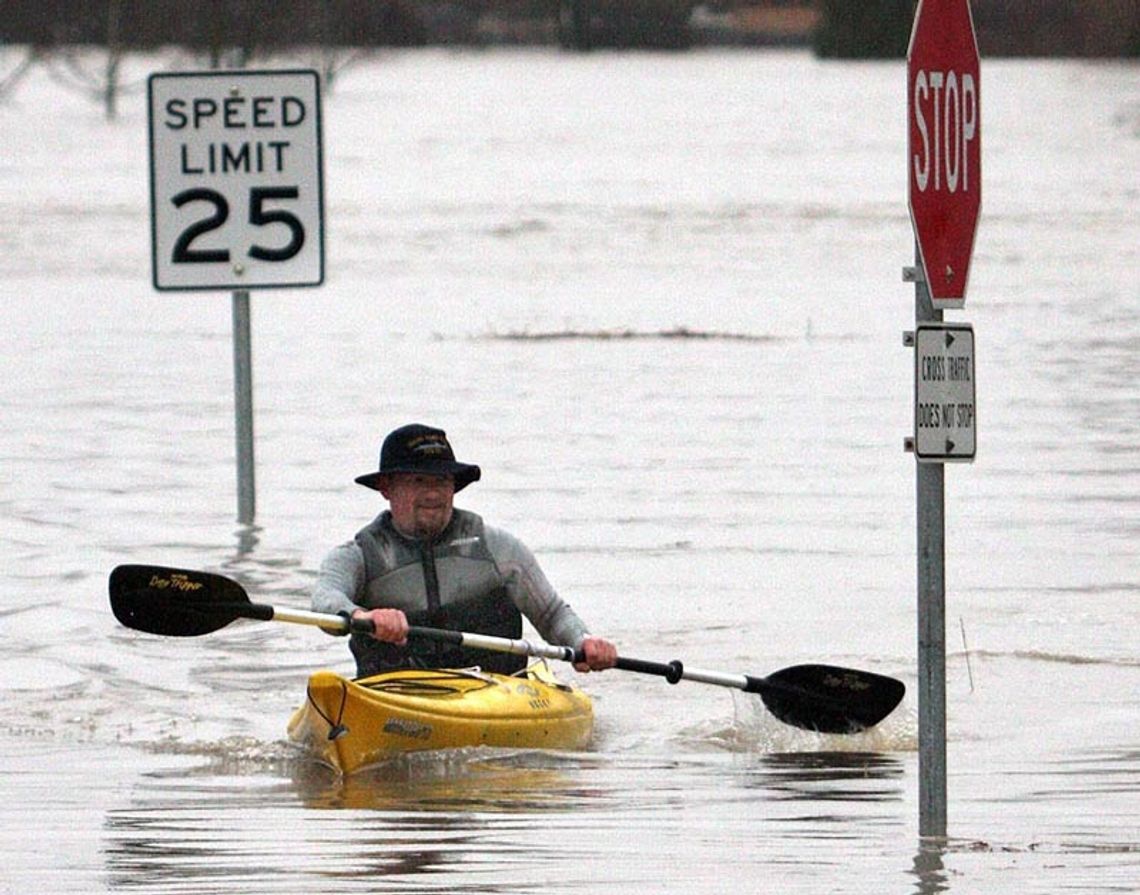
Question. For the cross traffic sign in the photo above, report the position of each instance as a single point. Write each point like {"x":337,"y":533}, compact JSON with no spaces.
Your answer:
{"x":945,"y":394}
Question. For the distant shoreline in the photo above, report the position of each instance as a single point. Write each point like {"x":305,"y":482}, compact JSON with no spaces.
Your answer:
{"x":1108,"y":29}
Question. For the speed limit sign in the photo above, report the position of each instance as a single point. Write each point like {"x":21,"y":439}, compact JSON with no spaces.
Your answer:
{"x":236,"y":181}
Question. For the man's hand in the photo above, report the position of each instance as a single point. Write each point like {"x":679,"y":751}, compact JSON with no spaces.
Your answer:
{"x":389,"y":625}
{"x":599,"y":653}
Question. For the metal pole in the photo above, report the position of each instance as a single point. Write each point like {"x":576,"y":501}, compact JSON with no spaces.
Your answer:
{"x":930,"y":494}
{"x":243,"y":407}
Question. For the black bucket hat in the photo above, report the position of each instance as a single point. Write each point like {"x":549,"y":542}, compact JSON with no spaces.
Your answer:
{"x":423,"y":449}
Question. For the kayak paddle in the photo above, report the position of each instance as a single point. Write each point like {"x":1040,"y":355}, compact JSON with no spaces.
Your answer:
{"x":182,"y":603}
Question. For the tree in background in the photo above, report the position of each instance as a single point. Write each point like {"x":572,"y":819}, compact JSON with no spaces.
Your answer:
{"x":1089,"y":28}
{"x":863,"y":29}
{"x":94,"y":71}
{"x":83,"y":45}
{"x":14,"y":64}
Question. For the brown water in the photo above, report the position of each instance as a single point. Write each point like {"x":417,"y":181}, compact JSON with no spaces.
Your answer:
{"x":741,"y":502}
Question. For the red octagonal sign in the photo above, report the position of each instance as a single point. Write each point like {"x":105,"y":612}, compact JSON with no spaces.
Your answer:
{"x":944,"y":145}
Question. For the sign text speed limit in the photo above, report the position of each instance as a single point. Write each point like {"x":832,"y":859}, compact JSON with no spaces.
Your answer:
{"x":236,"y":180}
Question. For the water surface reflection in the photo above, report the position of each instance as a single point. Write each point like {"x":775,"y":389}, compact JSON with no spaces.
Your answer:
{"x":475,"y":820}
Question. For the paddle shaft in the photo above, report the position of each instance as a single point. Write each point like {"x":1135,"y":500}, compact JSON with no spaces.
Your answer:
{"x":673,"y":672}
{"x":338,"y":624}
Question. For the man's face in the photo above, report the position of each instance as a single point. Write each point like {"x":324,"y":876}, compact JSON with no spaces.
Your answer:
{"x":421,"y":504}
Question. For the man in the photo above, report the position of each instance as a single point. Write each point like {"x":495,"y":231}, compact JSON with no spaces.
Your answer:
{"x":424,"y":562}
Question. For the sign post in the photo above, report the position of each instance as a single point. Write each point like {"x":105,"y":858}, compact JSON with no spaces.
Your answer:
{"x":237,"y":201}
{"x":944,"y":142}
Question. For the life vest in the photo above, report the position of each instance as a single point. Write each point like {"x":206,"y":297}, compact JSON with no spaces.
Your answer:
{"x":452,"y":582}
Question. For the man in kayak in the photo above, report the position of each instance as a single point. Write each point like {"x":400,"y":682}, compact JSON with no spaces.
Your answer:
{"x":424,"y":562}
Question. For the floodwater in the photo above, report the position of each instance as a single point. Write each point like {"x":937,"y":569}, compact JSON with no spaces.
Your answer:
{"x":659,"y":299}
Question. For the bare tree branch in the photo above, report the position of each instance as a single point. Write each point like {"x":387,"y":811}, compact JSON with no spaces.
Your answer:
{"x":12,"y":70}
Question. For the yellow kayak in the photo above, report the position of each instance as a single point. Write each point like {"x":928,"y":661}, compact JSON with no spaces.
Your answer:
{"x":352,"y":723}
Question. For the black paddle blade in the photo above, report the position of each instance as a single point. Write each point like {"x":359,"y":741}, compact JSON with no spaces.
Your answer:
{"x":827,"y":698}
{"x":175,"y":602}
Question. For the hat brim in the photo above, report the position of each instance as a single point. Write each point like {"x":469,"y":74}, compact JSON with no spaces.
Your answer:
{"x":463,"y":474}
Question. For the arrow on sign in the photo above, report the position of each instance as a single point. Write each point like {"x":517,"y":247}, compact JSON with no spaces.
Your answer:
{"x":949,"y":446}
{"x":949,"y":338}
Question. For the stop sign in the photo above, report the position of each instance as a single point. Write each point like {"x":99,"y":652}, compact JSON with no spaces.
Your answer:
{"x":944,"y":145}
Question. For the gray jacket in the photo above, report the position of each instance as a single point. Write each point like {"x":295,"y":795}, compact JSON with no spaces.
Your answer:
{"x":472,"y":577}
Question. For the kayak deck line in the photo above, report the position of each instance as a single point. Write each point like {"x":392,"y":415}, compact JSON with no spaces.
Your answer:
{"x":420,"y":686}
